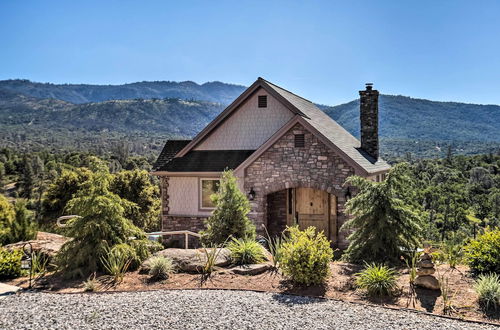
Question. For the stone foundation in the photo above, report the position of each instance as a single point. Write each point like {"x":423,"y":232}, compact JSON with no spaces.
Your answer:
{"x":174,"y":223}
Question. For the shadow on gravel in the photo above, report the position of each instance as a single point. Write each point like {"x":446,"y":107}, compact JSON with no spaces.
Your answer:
{"x":291,"y":300}
{"x":427,"y":298}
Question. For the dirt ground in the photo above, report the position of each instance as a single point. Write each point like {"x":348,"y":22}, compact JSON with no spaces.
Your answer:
{"x":340,"y":285}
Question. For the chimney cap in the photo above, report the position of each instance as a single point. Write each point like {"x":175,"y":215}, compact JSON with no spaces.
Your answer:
{"x":369,"y":86}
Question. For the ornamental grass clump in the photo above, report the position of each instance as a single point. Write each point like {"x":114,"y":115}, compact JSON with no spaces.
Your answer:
{"x":160,"y":267}
{"x":487,"y":287}
{"x":377,"y":280}
{"x":245,"y":251}
{"x":305,"y":256}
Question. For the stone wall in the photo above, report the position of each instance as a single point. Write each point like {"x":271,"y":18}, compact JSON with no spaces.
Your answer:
{"x":283,"y":166}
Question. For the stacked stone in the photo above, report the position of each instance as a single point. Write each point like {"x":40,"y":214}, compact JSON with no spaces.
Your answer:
{"x":425,"y":271}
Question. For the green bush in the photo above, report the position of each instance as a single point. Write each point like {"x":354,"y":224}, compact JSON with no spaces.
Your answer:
{"x":10,"y":263}
{"x":305,"y":256}
{"x":483,"y":253}
{"x":160,"y":267}
{"x":128,"y":253}
{"x":487,"y":287}
{"x":377,"y":280}
{"x":245,"y":251}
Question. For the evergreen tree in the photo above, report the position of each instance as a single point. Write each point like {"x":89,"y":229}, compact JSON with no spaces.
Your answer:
{"x":384,"y":223}
{"x":101,"y":225}
{"x":230,"y":215}
{"x":23,"y":226}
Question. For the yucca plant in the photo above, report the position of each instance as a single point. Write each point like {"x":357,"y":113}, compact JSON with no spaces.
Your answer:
{"x":377,"y":280}
{"x":160,"y":267}
{"x":116,"y":264}
{"x":208,"y":265}
{"x":91,"y":284}
{"x":487,"y":287}
{"x":411,"y":265}
{"x":274,"y":245}
{"x":246,"y":251}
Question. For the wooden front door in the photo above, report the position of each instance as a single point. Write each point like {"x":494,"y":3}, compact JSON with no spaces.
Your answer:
{"x":312,"y":208}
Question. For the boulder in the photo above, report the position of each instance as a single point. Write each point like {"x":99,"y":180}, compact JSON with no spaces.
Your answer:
{"x":48,"y":244}
{"x":425,"y":271}
{"x":427,"y":282}
{"x":252,"y":269}
{"x":192,"y":260}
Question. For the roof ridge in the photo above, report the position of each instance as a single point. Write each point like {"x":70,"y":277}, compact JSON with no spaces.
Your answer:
{"x":286,"y":90}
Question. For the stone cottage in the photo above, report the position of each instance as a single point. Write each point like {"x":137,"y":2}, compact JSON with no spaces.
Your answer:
{"x":290,"y":159}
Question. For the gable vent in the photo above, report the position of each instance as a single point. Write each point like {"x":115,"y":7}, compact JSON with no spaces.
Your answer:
{"x":300,"y":141}
{"x":262,"y":101}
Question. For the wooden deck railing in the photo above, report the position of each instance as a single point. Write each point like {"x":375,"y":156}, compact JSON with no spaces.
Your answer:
{"x":186,"y":234}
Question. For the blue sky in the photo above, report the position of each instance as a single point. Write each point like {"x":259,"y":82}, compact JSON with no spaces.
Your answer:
{"x":322,"y":50}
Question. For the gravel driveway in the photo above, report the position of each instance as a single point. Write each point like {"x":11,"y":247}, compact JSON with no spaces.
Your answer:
{"x":202,"y":309}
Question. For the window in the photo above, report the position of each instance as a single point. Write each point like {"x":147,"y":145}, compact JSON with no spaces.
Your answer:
{"x":300,"y":141}
{"x":262,"y":101}
{"x":208,"y":187}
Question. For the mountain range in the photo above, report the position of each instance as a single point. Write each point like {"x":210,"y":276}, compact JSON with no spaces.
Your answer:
{"x":36,"y":116}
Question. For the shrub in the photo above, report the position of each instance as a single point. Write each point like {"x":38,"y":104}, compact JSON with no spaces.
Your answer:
{"x":23,"y":227}
{"x":245,"y":251}
{"x":377,"y":280}
{"x":10,"y":263}
{"x":144,"y":248}
{"x":7,"y":215}
{"x":483,"y":253}
{"x":91,"y":284}
{"x":229,"y":219}
{"x":160,"y":267}
{"x":487,"y":287}
{"x":305,"y":256}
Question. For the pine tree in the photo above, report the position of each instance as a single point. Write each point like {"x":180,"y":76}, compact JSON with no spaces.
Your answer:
{"x":27,"y":178}
{"x":384,"y":223}
{"x":230,"y":215}
{"x":101,"y":225}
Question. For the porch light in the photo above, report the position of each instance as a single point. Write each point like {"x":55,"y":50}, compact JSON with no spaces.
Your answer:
{"x":251,"y":194}
{"x":348,"y":194}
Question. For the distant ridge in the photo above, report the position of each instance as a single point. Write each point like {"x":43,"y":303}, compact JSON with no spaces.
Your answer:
{"x":84,"y":93}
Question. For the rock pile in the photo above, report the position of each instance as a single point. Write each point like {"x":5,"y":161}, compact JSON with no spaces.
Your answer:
{"x":425,"y":271}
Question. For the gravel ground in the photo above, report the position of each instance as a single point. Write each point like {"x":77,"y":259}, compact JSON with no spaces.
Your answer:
{"x":202,"y":309}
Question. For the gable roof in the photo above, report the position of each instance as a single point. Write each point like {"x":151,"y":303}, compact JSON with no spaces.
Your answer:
{"x":333,"y":132}
{"x":346,"y":144}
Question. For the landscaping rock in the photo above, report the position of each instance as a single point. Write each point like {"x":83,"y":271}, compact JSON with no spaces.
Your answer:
{"x":425,"y":271}
{"x":48,"y":244}
{"x":427,"y":282}
{"x":425,"y":264}
{"x":192,"y":260}
{"x":253,"y":269}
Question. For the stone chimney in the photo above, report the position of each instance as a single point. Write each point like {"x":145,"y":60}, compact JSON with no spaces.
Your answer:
{"x":368,"y":104}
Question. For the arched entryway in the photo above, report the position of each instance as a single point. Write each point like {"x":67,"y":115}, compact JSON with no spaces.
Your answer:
{"x":304,"y":207}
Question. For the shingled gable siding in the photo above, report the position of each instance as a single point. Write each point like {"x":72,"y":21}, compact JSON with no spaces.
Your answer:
{"x":249,"y":126}
{"x":283,"y":166}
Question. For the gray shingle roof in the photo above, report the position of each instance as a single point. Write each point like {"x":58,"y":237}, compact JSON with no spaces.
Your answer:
{"x":171,"y":148}
{"x":331,"y":130}
{"x":206,"y":161}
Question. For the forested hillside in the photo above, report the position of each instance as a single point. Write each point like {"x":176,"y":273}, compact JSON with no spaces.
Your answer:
{"x":83,"y":93}
{"x":35,"y":116}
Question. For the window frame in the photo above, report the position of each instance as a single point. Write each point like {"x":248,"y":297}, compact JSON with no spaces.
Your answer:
{"x":200,"y":193}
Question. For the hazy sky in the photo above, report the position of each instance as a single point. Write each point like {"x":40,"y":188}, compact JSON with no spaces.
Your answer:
{"x":322,"y":50}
